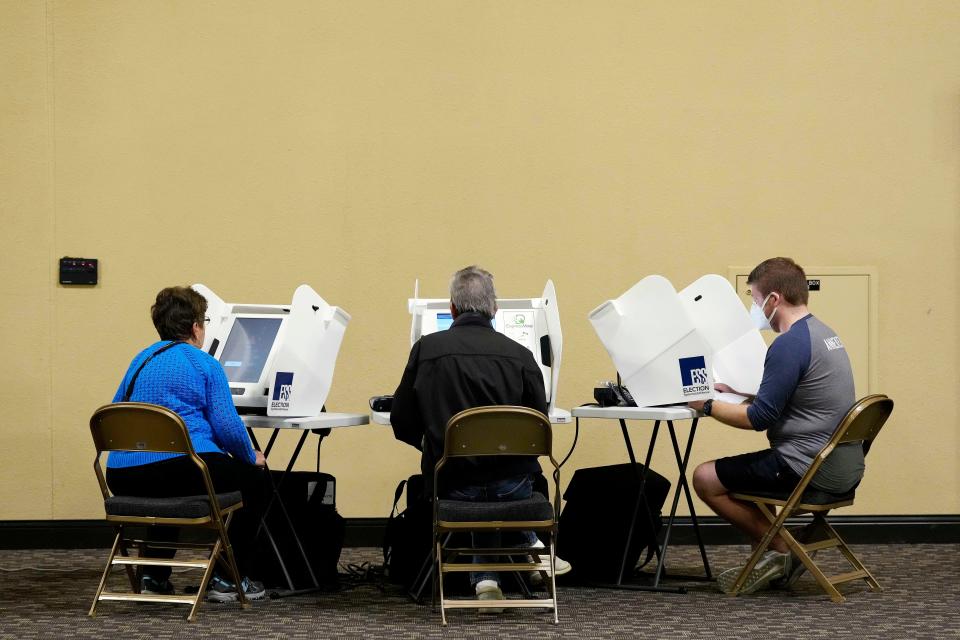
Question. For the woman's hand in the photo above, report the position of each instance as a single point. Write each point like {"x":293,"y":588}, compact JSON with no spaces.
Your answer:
{"x":261,"y":461}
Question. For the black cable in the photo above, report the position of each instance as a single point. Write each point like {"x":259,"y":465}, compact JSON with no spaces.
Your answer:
{"x":573,"y":445}
{"x":576,"y":435}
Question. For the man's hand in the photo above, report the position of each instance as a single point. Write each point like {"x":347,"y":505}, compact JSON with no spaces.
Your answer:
{"x":261,"y":460}
{"x":734,"y":415}
{"x":724,"y":388}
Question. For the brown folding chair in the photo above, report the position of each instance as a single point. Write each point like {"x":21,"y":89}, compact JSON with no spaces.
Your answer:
{"x":497,"y":431}
{"x":138,"y":426}
{"x":861,"y":424}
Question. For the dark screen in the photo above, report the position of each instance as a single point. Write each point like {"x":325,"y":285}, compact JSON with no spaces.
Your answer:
{"x":247,"y":348}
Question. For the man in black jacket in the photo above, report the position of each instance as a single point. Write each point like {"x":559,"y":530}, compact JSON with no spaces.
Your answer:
{"x":470,"y":365}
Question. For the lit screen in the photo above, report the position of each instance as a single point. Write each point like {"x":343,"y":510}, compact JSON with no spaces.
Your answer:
{"x":444,"y":320}
{"x":247,"y":348}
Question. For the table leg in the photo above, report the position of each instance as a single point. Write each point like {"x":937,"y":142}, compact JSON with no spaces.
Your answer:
{"x":273,"y":438}
{"x":275,"y":499}
{"x":276,"y":552}
{"x":253,"y":438}
{"x":683,"y":485}
{"x":693,"y":512}
{"x":256,"y":444}
{"x":626,"y":440}
{"x":641,"y":498}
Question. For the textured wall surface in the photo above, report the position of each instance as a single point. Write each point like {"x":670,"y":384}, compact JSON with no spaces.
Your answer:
{"x":356,"y":146}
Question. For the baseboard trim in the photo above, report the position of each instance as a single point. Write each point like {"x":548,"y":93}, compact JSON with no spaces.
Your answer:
{"x":368,"y":532}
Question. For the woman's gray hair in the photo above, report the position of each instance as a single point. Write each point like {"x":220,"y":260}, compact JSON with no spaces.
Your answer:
{"x":471,"y":289}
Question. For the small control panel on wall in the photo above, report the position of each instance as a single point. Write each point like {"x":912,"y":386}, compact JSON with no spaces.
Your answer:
{"x":78,"y":270}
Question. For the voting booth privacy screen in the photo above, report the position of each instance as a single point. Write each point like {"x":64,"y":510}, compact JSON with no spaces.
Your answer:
{"x":671,"y":347}
{"x":531,"y":322}
{"x":737,"y":346}
{"x":279,"y":359}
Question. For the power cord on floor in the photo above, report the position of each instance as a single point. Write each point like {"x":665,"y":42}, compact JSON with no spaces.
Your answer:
{"x":354,"y":574}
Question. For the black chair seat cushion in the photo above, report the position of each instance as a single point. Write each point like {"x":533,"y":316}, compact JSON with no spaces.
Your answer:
{"x":535,"y":507}
{"x":810,"y":496}
{"x":180,"y":507}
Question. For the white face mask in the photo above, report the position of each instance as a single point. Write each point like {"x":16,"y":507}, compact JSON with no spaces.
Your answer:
{"x":759,"y":320}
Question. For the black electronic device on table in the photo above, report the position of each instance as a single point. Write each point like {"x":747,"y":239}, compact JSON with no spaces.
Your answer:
{"x":611,"y":394}
{"x":381,"y":403}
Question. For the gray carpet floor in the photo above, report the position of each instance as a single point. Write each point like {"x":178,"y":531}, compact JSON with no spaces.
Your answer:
{"x":46,"y":594}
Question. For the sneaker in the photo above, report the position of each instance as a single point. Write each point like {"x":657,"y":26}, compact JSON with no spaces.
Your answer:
{"x":151,"y":586}
{"x":221,"y":590}
{"x":562,"y":566}
{"x":794,"y":569}
{"x":771,"y":566}
{"x":489,"y":590}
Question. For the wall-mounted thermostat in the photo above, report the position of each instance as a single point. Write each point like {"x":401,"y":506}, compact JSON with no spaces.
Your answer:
{"x":78,"y":270}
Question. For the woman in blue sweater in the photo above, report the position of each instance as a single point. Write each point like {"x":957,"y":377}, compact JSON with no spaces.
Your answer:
{"x":180,"y":376}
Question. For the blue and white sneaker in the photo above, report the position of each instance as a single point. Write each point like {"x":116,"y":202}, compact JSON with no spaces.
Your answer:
{"x":222,"y":590}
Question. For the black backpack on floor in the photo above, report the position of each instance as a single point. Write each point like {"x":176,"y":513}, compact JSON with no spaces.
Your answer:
{"x":409,"y":534}
{"x":595,"y":522}
{"x":310,"y":501}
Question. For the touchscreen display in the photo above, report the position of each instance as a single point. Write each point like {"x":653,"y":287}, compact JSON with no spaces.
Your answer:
{"x":444,"y":320}
{"x":247,"y":348}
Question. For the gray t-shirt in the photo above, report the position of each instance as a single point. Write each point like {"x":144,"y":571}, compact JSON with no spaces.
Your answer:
{"x":807,"y":389}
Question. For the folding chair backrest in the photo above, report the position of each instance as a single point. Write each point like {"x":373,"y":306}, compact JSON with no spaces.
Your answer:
{"x":497,"y":431}
{"x":139,"y":426}
{"x":863,"y":422}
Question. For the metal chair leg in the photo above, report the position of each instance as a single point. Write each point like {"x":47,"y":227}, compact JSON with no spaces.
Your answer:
{"x":553,"y":578}
{"x":106,"y":574}
{"x":133,"y":576}
{"x":443,"y":613}
{"x":853,"y":559}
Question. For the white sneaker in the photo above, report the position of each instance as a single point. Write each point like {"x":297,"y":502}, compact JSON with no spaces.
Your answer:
{"x":489,"y":590}
{"x":771,"y":566}
{"x":561,"y":565}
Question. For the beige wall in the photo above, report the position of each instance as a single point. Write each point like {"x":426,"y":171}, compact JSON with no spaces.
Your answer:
{"x":355,"y":146}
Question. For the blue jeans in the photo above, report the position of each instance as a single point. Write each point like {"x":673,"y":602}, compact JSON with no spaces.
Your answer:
{"x":516,"y":488}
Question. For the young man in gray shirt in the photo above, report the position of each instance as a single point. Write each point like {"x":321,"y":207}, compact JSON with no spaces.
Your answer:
{"x":806,"y":390}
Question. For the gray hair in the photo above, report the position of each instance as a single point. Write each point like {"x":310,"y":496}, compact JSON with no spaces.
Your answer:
{"x":471,"y":289}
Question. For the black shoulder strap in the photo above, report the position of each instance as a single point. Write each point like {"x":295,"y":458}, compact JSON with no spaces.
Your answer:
{"x":396,"y":498}
{"x":390,"y":534}
{"x":651,"y":549}
{"x":133,"y":380}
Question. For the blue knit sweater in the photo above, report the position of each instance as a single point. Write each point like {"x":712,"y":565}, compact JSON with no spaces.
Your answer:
{"x":192,"y":383}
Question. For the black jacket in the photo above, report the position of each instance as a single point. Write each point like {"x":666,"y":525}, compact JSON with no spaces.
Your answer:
{"x":468,"y":365}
